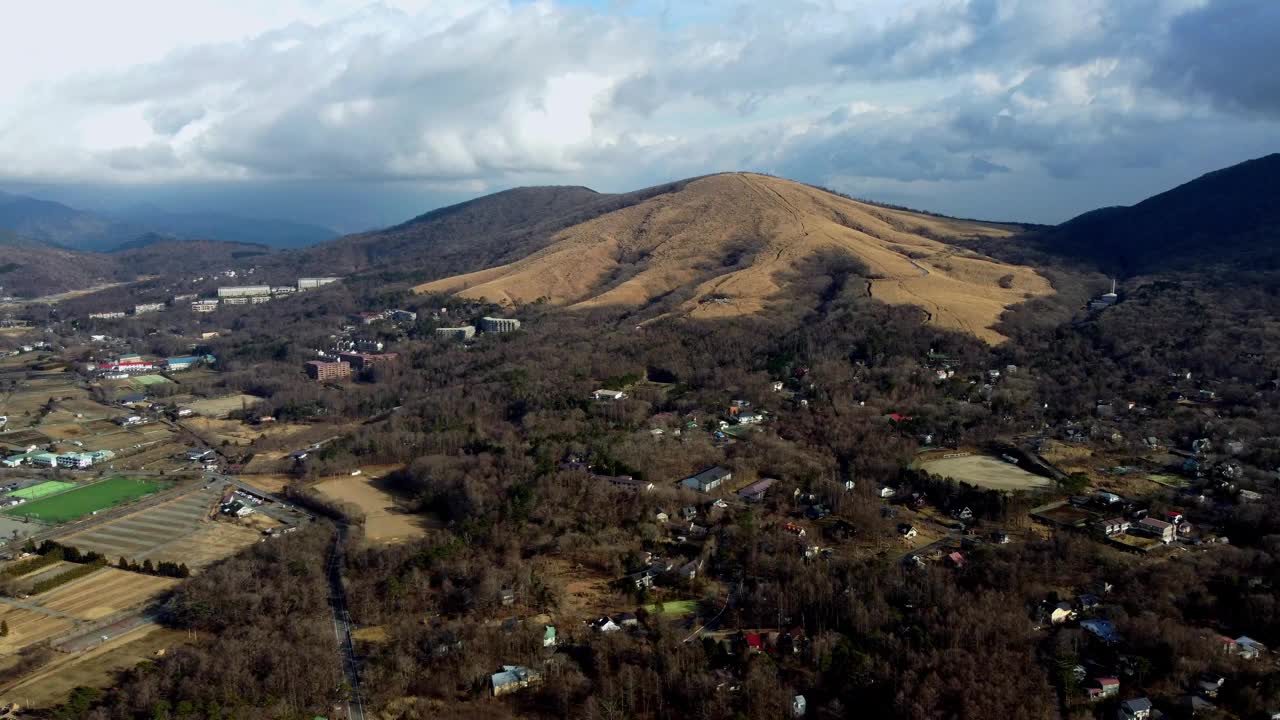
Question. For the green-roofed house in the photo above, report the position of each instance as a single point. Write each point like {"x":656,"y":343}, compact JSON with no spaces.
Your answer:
{"x":549,"y":636}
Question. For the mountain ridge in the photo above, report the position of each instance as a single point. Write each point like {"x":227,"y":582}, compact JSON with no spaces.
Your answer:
{"x":1230,"y":216}
{"x":734,"y":242}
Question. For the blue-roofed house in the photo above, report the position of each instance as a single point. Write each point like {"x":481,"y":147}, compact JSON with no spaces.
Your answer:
{"x":513,"y":678}
{"x":1104,"y":630}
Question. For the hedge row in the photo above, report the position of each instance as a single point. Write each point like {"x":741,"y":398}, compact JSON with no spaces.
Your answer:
{"x":22,"y":567}
{"x":66,"y":577}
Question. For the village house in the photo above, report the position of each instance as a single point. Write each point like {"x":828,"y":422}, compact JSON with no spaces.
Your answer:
{"x":1061,"y":613}
{"x":605,"y":625}
{"x":708,"y":479}
{"x":1114,"y":526}
{"x":513,"y":678}
{"x":755,"y":492}
{"x":626,"y":482}
{"x":1102,"y":688}
{"x":1104,"y":630}
{"x":1135,"y":709}
{"x":1158,"y":528}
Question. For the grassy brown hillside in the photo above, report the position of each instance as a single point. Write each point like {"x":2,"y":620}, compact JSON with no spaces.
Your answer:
{"x":487,"y":231}
{"x":731,"y":245}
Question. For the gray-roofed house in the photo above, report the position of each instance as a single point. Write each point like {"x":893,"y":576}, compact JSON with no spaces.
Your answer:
{"x":1135,"y":709}
{"x":755,"y":491}
{"x":708,"y":479}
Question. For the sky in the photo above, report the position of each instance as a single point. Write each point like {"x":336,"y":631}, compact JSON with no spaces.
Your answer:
{"x":356,"y":115}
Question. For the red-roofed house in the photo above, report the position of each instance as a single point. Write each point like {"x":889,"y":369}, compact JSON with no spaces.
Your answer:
{"x":754,"y":642}
{"x":1103,"y":687}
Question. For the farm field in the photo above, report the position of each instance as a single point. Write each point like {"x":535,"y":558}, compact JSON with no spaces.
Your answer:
{"x":28,"y":626}
{"x":385,"y":522}
{"x":49,"y":487}
{"x":176,"y":530}
{"x":98,"y":667}
{"x":985,"y":471}
{"x":75,"y":504}
{"x":103,"y":593}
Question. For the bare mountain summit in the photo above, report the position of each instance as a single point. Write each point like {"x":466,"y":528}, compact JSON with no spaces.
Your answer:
{"x":731,"y":244}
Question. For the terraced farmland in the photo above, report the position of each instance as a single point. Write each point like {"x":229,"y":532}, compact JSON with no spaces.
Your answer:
{"x":104,"y":593}
{"x":177,"y":530}
{"x":29,"y":626}
{"x":138,"y":535}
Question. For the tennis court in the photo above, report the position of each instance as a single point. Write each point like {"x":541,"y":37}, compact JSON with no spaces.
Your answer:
{"x":48,"y":487}
{"x":86,"y":499}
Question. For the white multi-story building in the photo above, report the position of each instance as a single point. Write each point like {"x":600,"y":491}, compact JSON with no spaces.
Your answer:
{"x":205,"y":306}
{"x":147,"y":308}
{"x":106,"y":315}
{"x":499,"y":325}
{"x":244,"y":291}
{"x":308,"y":283}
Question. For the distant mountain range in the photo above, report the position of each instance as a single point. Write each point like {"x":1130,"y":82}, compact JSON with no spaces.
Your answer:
{"x":62,"y":226}
{"x":704,"y":246}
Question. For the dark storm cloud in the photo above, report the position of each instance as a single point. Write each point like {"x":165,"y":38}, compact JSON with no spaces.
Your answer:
{"x":1226,"y":51}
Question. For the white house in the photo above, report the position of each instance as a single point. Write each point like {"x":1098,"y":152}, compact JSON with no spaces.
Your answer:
{"x":611,"y":395}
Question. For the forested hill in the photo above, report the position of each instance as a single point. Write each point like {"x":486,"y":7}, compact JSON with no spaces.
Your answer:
{"x":1229,"y":217}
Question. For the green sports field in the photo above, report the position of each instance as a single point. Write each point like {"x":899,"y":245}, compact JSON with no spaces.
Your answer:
{"x":49,"y":487}
{"x":675,"y":607}
{"x":75,"y":504}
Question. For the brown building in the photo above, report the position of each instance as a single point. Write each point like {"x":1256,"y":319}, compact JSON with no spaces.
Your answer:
{"x":360,"y":361}
{"x":317,"y":370}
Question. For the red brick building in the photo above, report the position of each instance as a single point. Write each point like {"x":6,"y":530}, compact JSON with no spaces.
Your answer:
{"x":321,"y":371}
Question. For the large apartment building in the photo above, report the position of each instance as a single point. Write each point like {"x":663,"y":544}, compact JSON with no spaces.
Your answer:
{"x":321,"y":371}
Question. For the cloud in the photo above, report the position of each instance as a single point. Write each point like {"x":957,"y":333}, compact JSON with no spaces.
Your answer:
{"x":1225,"y":52}
{"x":482,"y":94}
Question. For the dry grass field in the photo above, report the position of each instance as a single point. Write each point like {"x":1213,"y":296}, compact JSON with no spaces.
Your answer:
{"x":587,"y":594}
{"x":985,"y":471}
{"x":29,"y":626}
{"x":103,"y":593}
{"x":215,"y":431}
{"x":739,"y":239}
{"x":220,"y":407}
{"x":385,"y":521}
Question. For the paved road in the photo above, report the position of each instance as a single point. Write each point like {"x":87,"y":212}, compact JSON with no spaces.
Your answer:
{"x":342,"y":625}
